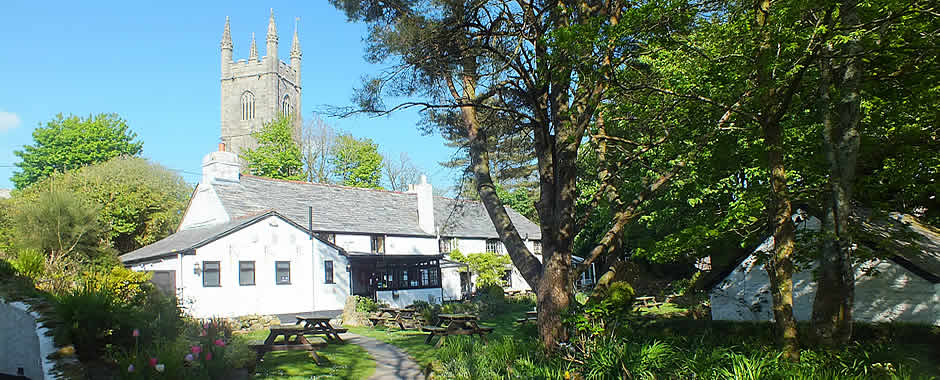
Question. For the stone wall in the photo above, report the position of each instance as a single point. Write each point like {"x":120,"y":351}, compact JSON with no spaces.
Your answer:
{"x":24,"y":344}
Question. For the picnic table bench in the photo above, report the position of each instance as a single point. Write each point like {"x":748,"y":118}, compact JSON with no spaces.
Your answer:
{"x":647,"y":302}
{"x":404,"y":318}
{"x":320,"y":326}
{"x":455,"y":324}
{"x":294,"y":340}
{"x":530,"y":316}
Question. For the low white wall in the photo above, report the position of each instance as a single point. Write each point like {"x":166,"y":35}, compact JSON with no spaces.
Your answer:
{"x":402,"y":298}
{"x":24,"y":342}
{"x":884,"y":292}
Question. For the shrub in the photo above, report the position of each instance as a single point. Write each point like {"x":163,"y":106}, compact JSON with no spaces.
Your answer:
{"x":90,"y":317}
{"x":30,"y":263}
{"x":366,"y":305}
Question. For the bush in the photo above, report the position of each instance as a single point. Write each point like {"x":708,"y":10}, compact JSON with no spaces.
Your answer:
{"x":92,"y":318}
{"x":366,"y":305}
{"x":30,"y":263}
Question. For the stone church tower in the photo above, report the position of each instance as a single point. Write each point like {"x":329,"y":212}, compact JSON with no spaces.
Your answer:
{"x":256,"y":91}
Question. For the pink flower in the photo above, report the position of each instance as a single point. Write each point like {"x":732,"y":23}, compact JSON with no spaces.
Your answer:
{"x":219,"y":343}
{"x":130,"y":368}
{"x":153,"y":362}
{"x":208,"y":355}
{"x":189,"y":357}
{"x":136,"y":332}
{"x":196,"y":350}
{"x":202,"y":333}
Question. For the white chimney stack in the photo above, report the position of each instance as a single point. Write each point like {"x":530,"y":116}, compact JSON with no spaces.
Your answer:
{"x":425,"y":194}
{"x":220,"y":166}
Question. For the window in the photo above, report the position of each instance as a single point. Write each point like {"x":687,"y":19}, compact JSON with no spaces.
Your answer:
{"x":282,"y":272}
{"x":328,"y":272}
{"x":328,"y":236}
{"x":447,"y":245}
{"x":378,"y":244}
{"x":286,"y":106}
{"x":537,"y":246}
{"x":246,"y":273}
{"x":248,"y":106}
{"x":210,"y":274}
{"x":419,"y":275}
{"x":494,"y":245}
{"x":507,"y":278}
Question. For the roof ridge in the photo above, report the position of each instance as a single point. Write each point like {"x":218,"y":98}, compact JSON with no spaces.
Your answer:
{"x":326,"y":185}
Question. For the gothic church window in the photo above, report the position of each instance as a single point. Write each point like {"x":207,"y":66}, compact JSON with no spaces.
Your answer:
{"x":248,"y":106}
{"x":286,"y":106}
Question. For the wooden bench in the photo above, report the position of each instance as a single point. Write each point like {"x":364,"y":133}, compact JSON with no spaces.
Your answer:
{"x":527,"y":319}
{"x":261,"y":349}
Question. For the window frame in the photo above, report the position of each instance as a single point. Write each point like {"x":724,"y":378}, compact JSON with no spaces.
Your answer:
{"x":218,"y":274}
{"x":507,"y":277}
{"x":241,"y":271}
{"x":328,"y":272}
{"x":328,"y":236}
{"x":407,"y":276}
{"x":375,"y":247}
{"x":248,"y":106}
{"x":497,"y":244}
{"x":447,"y":242}
{"x":277,"y":273}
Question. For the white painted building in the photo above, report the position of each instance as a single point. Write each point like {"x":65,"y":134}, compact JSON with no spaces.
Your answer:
{"x":901,"y":284}
{"x":252,"y":245}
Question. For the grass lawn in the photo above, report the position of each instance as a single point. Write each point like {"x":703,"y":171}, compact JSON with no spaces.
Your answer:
{"x":412,"y":341}
{"x":342,"y":361}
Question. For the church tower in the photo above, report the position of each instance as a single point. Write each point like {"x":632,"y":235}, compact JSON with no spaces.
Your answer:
{"x":256,"y":91}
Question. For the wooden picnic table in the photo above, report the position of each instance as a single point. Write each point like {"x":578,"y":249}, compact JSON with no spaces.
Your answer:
{"x":320,"y":326}
{"x":647,"y":301}
{"x":404,"y":318}
{"x":530,"y":316}
{"x":294,"y":339}
{"x":456,"y":324}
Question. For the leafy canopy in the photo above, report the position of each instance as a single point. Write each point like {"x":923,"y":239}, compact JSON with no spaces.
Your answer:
{"x":278,"y":155}
{"x":356,"y":162}
{"x":490,"y":267}
{"x":71,"y":142}
{"x":138,"y":202}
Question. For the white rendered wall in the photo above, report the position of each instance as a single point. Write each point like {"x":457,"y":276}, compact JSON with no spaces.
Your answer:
{"x":450,"y":282}
{"x":402,"y":298}
{"x":354,"y":243}
{"x":169,"y":263}
{"x":884,"y":291}
{"x":205,"y":208}
{"x":264,"y":242}
{"x":329,"y":296}
{"x":408,"y":245}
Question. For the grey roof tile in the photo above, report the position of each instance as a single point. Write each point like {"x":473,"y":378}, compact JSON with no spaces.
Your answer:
{"x":356,"y":210}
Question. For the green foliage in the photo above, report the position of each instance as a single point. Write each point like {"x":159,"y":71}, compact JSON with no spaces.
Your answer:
{"x":278,"y":155}
{"x":6,"y":228}
{"x":60,"y":224}
{"x":489,"y":267}
{"x":356,"y":162}
{"x":366,"y":305}
{"x":137,"y":201}
{"x":91,"y":319}
{"x":68,"y":143}
{"x":30,"y":263}
{"x":521,"y":199}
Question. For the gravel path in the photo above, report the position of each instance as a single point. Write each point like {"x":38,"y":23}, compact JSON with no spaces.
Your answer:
{"x":391,"y":363}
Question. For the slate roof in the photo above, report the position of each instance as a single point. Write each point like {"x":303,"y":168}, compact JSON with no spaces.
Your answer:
{"x":187,"y":240}
{"x":914,"y":242}
{"x":356,"y":210}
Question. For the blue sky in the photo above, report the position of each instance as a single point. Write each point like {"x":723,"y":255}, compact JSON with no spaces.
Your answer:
{"x":157,"y":66}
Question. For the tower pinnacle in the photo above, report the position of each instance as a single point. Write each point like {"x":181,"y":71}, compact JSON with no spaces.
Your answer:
{"x":253,"y":53}
{"x":227,"y":35}
{"x":295,"y":44}
{"x":272,"y":28}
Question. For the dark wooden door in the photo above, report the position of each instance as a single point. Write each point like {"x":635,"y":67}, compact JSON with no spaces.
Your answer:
{"x":165,"y":281}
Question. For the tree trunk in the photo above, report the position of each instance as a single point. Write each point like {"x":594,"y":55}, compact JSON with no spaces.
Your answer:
{"x":835,"y":294}
{"x":773,"y":106}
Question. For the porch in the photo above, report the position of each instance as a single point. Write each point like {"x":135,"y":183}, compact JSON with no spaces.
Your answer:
{"x":397,"y":280}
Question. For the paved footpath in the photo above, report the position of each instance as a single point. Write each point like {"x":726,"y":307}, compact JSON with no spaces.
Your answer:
{"x":391,"y":363}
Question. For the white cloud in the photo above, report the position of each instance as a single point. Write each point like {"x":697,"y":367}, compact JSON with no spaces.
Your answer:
{"x":8,"y":121}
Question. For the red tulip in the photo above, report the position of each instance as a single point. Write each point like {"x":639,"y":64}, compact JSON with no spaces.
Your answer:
{"x":208,"y":355}
{"x":153,"y":362}
{"x":219,"y":343}
{"x":196,"y":349}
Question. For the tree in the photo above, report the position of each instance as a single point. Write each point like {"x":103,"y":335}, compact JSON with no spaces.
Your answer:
{"x":137,"y":202}
{"x":356,"y":162}
{"x":490,"y":267}
{"x":546,"y":67}
{"x":71,"y":142}
{"x":277,"y":155}
{"x":400,"y":173}
{"x":60,"y":224}
{"x":317,"y":141}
